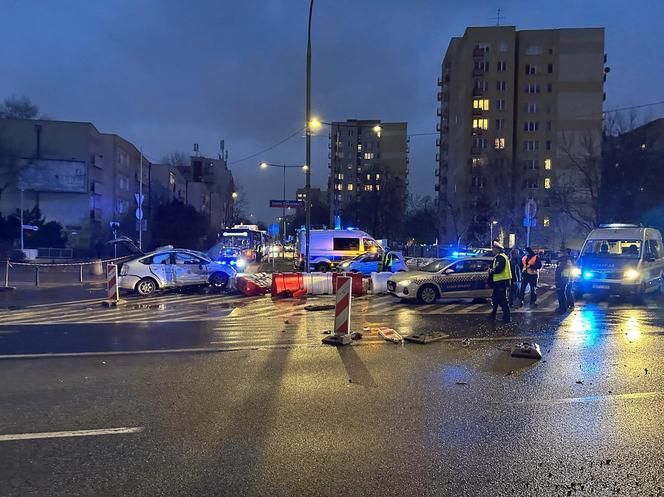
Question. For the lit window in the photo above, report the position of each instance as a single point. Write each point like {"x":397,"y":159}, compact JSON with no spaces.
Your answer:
{"x":499,"y":143}
{"x":368,"y":177}
{"x":368,"y":188}
{"x":480,"y":124}
{"x":481,"y":103}
{"x":350,"y":186}
{"x":377,"y":187}
{"x":368,"y":155}
{"x":377,"y":175}
{"x":547,"y":183}
{"x":547,"y":164}
{"x":359,"y":147}
{"x":477,"y":161}
{"x":643,"y":146}
{"x":546,"y":222}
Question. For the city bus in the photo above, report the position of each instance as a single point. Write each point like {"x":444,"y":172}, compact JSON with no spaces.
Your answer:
{"x":246,"y":237}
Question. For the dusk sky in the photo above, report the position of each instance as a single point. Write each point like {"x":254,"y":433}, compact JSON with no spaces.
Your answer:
{"x":168,"y":73}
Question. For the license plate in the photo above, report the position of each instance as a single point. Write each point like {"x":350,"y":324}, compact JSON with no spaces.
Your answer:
{"x":602,"y":287}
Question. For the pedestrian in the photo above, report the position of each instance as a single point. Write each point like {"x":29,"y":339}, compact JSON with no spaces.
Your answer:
{"x":500,"y":276}
{"x":531,"y":264}
{"x":564,"y":282}
{"x":515,"y":284}
{"x":386,"y":262}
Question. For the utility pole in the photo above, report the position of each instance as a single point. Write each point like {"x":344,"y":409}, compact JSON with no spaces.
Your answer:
{"x":21,"y":219}
{"x":140,"y":206}
{"x":307,"y":128}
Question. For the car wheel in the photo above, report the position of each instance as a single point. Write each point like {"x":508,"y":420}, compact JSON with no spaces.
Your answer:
{"x":427,"y":294}
{"x":146,"y":286}
{"x":219,"y":281}
{"x":321,"y":267}
{"x":401,"y":271}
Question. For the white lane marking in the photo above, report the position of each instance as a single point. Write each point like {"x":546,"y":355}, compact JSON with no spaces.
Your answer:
{"x":75,"y":433}
{"x":71,"y":302}
{"x":474,"y":307}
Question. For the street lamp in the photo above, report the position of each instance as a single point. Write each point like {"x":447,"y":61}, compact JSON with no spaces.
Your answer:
{"x":234,"y":195}
{"x":307,"y":132}
{"x":265,"y":165}
{"x":491,"y":224}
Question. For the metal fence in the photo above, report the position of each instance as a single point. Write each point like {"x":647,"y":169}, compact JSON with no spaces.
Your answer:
{"x":53,"y":274}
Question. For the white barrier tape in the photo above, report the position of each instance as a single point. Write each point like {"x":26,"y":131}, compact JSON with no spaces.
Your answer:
{"x":86,"y":263}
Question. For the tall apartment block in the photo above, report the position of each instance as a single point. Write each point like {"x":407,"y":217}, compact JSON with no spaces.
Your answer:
{"x":368,"y":161}
{"x":515,"y":108}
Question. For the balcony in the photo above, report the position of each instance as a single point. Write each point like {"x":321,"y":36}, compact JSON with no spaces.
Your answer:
{"x":439,"y":82}
{"x":477,"y":112}
{"x":437,"y":157}
{"x":439,"y":112}
{"x":438,"y":127}
{"x":475,"y":151}
{"x":479,"y":52}
{"x":478,"y":92}
{"x":439,"y":96}
{"x":437,"y":142}
{"x":478,"y":72}
{"x":436,"y":187}
{"x":436,"y":172}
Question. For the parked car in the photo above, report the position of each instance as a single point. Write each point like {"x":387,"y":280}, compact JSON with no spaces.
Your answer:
{"x":369,"y":263}
{"x":465,"y":277}
{"x":171,"y":267}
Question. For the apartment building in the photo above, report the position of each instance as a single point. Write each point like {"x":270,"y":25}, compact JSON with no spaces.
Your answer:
{"x":517,"y":110}
{"x":368,"y":162}
{"x":77,"y":176}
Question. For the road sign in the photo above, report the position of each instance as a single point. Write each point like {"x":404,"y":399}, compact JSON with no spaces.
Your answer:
{"x":529,"y":223}
{"x":144,"y":224}
{"x":139,"y":199}
{"x":286,"y":203}
{"x":30,"y":227}
{"x":530,"y":208}
{"x":139,"y":213}
{"x":114,"y":225}
{"x":273,"y":230}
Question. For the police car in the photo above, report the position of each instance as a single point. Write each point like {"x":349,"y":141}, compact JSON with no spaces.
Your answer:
{"x":464,"y":278}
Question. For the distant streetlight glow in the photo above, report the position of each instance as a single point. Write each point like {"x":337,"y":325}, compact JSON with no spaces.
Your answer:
{"x":315,"y":124}
{"x":305,"y":168}
{"x":377,"y":129}
{"x":234,"y":195}
{"x":264,"y":165}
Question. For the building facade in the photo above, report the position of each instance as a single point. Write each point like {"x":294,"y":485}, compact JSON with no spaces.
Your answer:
{"x":76,"y":175}
{"x":84,"y":179}
{"x":519,"y":112}
{"x":368,"y":163}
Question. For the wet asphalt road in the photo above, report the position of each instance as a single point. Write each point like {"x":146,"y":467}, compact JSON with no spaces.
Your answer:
{"x":450,"y":418}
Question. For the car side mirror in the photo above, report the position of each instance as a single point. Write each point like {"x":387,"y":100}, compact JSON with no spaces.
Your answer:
{"x":448,"y":271}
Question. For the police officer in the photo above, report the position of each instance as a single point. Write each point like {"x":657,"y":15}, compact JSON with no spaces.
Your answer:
{"x":501,"y":277}
{"x":564,"y":285}
{"x":386,"y":263}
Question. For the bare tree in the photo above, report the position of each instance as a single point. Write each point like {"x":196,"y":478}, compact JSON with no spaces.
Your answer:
{"x":577,"y":192}
{"x":176,"y":159}
{"x":458,"y":225}
{"x":18,"y":108}
{"x":9,"y":169}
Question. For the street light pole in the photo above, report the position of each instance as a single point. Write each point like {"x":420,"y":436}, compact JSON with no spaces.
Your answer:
{"x":21,"y":219}
{"x":307,"y":188}
{"x":283,"y":217}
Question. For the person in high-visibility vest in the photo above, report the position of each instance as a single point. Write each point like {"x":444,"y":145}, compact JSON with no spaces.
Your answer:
{"x":501,"y":277}
{"x":386,"y":262}
{"x":531,"y":266}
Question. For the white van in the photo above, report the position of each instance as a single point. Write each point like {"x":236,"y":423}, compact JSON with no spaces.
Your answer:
{"x":327,"y":248}
{"x":621,"y":259}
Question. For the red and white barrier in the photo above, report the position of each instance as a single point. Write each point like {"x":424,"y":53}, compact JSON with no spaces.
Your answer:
{"x":112,"y":289}
{"x":344,"y":295}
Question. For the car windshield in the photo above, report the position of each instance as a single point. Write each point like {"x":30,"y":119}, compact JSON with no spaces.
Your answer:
{"x":436,"y":266}
{"x":613,"y":248}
